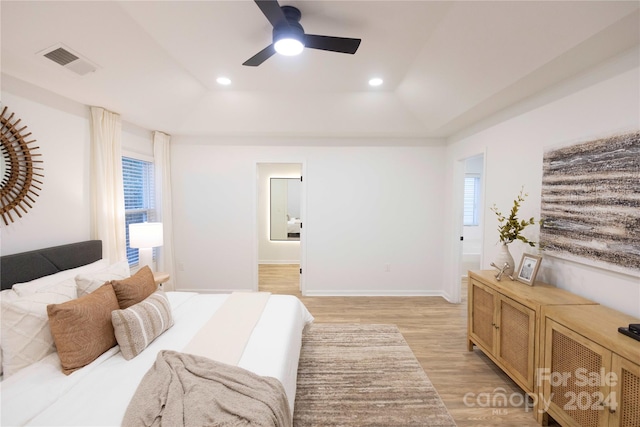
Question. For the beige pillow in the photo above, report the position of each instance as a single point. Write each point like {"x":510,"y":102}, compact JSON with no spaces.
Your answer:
{"x":26,"y":337}
{"x":82,"y":328}
{"x":137,"y":326}
{"x":134,"y":289}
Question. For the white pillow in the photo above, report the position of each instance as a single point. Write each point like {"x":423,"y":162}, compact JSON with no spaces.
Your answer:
{"x":42,"y":283}
{"x":6,"y":295}
{"x":89,"y":282}
{"x":26,"y":337}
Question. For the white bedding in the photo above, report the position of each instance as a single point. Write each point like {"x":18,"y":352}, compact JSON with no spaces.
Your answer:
{"x":293,"y":225}
{"x":99,"y":393}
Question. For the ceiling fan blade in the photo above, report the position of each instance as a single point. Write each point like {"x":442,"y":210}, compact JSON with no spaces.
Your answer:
{"x":333,"y":44}
{"x":261,"y":56}
{"x":272,"y":11}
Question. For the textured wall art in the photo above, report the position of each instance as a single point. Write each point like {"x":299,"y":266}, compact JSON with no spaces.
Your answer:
{"x":591,"y":203}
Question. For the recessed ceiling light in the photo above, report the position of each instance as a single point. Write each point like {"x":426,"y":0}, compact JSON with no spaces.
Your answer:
{"x":375,"y":81}
{"x":224,"y":81}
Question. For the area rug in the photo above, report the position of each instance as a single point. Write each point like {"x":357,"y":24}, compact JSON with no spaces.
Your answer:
{"x":363,"y":375}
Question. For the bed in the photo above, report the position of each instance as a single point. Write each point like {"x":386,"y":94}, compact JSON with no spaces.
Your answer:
{"x":293,"y":227}
{"x":100,"y":392}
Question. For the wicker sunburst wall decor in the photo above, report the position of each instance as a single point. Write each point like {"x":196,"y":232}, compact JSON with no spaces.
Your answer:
{"x":19,"y":174}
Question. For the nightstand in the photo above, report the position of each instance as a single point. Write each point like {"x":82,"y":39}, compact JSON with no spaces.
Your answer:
{"x":160,"y":278}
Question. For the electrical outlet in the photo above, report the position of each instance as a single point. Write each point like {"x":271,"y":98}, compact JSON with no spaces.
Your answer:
{"x":387,"y":268}
{"x":180,"y":266}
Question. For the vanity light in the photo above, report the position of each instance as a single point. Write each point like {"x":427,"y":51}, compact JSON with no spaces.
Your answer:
{"x":224,"y":81}
{"x":376,"y":81}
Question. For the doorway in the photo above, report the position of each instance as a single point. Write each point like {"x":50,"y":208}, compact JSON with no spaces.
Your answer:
{"x":279,"y":211}
{"x":472,"y":214}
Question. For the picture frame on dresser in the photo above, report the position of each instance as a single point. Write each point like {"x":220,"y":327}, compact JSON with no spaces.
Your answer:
{"x":529,"y":265}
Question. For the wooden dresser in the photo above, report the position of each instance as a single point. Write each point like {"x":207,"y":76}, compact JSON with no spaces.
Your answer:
{"x":591,"y":374}
{"x":505,"y":322}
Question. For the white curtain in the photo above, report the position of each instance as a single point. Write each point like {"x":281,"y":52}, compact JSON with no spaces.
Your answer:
{"x":162,"y":166}
{"x":107,"y":193}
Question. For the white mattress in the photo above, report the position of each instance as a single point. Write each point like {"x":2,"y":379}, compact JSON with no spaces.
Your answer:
{"x":99,"y":393}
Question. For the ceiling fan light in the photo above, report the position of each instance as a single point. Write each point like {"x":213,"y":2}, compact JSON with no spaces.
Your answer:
{"x":288,"y":46}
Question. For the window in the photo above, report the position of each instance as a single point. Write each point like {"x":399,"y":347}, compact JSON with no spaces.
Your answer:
{"x":471,"y":199}
{"x":139,"y":197}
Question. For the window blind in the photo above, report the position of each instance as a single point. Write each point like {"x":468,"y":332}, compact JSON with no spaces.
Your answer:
{"x":139,"y":197}
{"x":471,"y":199}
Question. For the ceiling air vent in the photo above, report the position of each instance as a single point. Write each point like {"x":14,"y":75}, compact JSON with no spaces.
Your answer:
{"x":61,"y":56}
{"x":69,"y":59}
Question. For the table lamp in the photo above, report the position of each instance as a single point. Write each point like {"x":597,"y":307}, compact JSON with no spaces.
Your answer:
{"x":145,"y":236}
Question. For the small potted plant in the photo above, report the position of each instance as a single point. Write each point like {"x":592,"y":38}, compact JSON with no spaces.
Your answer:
{"x":510,"y":229}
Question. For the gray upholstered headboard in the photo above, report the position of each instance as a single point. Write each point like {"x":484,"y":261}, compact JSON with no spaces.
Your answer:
{"x":31,"y":265}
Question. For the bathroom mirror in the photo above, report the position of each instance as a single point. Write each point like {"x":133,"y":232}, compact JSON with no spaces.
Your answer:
{"x":285,"y":220}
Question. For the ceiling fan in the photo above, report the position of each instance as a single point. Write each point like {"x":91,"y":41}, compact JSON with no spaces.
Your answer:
{"x":289,"y":37}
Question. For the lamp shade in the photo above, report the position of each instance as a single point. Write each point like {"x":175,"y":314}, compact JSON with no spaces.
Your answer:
{"x":145,"y":235}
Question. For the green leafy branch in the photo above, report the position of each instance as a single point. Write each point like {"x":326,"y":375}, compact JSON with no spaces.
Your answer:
{"x":511,"y":227}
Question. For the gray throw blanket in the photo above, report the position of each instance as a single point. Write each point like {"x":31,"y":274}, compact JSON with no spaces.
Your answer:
{"x":186,"y":390}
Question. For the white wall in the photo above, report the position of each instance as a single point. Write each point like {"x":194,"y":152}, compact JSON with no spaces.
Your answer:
{"x":137,"y":142}
{"x":61,"y":127}
{"x":274,"y":252}
{"x":608,"y":104}
{"x":365,"y":207}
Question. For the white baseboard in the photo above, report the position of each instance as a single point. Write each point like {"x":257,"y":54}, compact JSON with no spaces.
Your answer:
{"x":214,"y":291}
{"x":448,"y":297}
{"x":374,"y":293}
{"x":279,"y":261}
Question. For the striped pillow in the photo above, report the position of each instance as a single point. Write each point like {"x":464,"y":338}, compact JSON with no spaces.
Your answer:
{"x":137,"y":326}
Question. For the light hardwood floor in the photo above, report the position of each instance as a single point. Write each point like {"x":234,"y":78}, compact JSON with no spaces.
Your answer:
{"x":436,"y":332}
